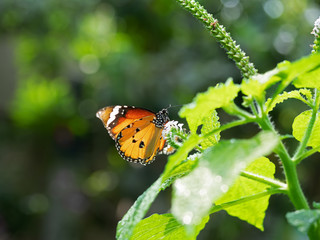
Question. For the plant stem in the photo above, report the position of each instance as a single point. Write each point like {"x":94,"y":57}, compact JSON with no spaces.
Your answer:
{"x":306,"y":137}
{"x":225,"y":127}
{"x":253,"y":109}
{"x":222,"y":206}
{"x":294,"y":189}
{"x":307,"y":154}
{"x":314,"y":231}
{"x":287,"y":136}
{"x":221,"y":35}
{"x":233,"y":109}
{"x":269,"y":181}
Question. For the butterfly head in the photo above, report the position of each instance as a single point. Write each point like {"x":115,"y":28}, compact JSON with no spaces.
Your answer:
{"x":162,"y":118}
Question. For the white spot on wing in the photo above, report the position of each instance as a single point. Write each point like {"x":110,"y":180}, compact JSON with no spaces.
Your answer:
{"x":113,"y":114}
{"x":98,"y":114}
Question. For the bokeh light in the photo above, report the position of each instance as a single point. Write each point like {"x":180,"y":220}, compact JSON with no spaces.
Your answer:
{"x":274,"y":8}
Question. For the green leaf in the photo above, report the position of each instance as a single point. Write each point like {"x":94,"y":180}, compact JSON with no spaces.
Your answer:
{"x":180,"y":170}
{"x":300,"y":125}
{"x":272,"y":102}
{"x":286,"y":72}
{"x":290,"y":71}
{"x":256,"y":85}
{"x":252,"y":211}
{"x":303,"y":219}
{"x":180,"y":155}
{"x":308,"y":80}
{"x":217,"y":169}
{"x":137,"y":211}
{"x":203,"y":104}
{"x":210,"y":123}
{"x":164,"y":227}
{"x":305,"y":72}
{"x":142,"y":204}
{"x":316,"y":205}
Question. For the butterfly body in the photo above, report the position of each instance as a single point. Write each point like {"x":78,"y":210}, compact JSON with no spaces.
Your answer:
{"x":136,"y":131}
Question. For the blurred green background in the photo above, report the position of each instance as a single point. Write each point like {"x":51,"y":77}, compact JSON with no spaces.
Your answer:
{"x":60,"y":61}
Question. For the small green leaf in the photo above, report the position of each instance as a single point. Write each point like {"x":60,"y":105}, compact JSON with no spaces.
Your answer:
{"x":303,"y":219}
{"x":257,"y":85}
{"x":309,"y":79}
{"x":210,"y":123}
{"x":300,"y":125}
{"x":164,"y":227}
{"x":253,"y":211}
{"x":137,"y":211}
{"x":203,"y":104}
{"x":316,"y":205}
{"x":272,"y":102}
{"x":218,"y":167}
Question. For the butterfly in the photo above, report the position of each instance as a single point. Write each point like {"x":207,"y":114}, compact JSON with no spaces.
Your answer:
{"x":136,"y":131}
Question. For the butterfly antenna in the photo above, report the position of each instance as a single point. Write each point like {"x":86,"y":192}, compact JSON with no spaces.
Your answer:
{"x":172,"y":106}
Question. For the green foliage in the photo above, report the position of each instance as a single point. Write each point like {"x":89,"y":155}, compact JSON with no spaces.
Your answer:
{"x":194,"y":194}
{"x":214,"y":176}
{"x":234,"y":175}
{"x":181,"y":154}
{"x":256,"y":85}
{"x":164,"y":227}
{"x":65,"y":59}
{"x":204,"y":103}
{"x":137,"y":211}
{"x":245,"y":187}
{"x":304,"y":95}
{"x":98,"y":35}
{"x":222,"y":36}
{"x":43,"y":104}
{"x":309,"y":79}
{"x":180,"y":170}
{"x":128,"y":223}
{"x":303,"y":220}
{"x":284,"y":73}
{"x":209,"y":124}
{"x":292,"y":71}
{"x":300,"y":126}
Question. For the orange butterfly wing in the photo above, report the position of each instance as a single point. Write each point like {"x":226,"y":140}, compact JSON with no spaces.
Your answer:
{"x":137,"y":131}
